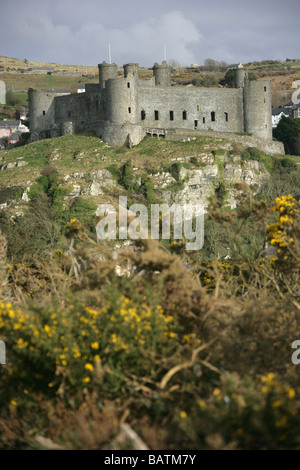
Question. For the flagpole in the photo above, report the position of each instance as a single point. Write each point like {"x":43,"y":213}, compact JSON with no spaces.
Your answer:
{"x":109,"y":53}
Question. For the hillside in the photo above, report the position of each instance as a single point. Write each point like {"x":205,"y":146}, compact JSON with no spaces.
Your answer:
{"x":157,"y":170}
{"x":190,"y":349}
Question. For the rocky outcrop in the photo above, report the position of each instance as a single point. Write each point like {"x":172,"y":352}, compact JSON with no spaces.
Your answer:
{"x":198,"y":184}
{"x":7,"y":166}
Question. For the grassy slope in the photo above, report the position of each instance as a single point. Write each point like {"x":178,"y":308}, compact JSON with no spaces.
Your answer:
{"x":81,"y":153}
{"x":85,"y":154}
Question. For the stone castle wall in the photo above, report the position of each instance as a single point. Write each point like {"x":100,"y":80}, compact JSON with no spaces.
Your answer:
{"x":267,"y":146}
{"x":116,"y":106}
{"x":192,"y":108}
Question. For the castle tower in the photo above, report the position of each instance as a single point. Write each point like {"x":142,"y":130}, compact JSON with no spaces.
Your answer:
{"x":122,"y":99}
{"x":240,"y":75}
{"x":131,"y":69}
{"x":41,"y":110}
{"x":162,"y":74}
{"x":257,"y":109}
{"x":107,"y":71}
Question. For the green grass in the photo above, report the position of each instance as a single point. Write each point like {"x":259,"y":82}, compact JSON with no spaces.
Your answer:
{"x":17,"y":99}
{"x":85,"y":154}
{"x":21,"y":81}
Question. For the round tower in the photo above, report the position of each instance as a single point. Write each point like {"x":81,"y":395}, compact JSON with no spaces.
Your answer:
{"x":240,"y":75}
{"x":121,"y":100}
{"x":131,"y":69}
{"x":41,"y":110}
{"x":162,"y":74}
{"x":258,"y":109}
{"x":107,"y":71}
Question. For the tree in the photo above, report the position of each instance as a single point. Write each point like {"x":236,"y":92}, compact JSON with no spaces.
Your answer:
{"x":228,"y":79}
{"x":174,"y":63}
{"x":287,"y":131}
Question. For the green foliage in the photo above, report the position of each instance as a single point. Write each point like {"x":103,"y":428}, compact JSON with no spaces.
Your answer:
{"x":252,"y":153}
{"x":175,"y":171}
{"x":16,"y":99}
{"x":14,"y":193}
{"x":83,"y":210}
{"x":219,"y":152}
{"x":283,"y":180}
{"x":220,"y":164}
{"x":195,"y":162}
{"x":24,"y":139}
{"x":288,"y":163}
{"x":221,"y":192}
{"x":205,"y":80}
{"x":127,"y":178}
{"x":228,"y":79}
{"x":114,"y":170}
{"x":287,"y":131}
{"x":167,"y":344}
{"x":31,"y":235}
{"x":187,"y":166}
{"x":35,"y":191}
{"x":43,"y":181}
{"x":148,"y":189}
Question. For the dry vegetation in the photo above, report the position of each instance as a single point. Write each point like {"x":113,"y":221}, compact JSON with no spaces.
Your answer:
{"x":191,"y":350}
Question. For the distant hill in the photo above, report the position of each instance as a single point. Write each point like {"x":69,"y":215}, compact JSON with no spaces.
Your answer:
{"x":17,"y":77}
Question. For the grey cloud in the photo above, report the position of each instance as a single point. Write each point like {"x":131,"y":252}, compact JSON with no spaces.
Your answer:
{"x":76,"y":31}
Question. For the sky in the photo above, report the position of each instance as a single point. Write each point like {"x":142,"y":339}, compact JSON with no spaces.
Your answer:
{"x":78,"y":32}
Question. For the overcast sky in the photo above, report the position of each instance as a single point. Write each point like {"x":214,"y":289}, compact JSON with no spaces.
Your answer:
{"x":79,"y":31}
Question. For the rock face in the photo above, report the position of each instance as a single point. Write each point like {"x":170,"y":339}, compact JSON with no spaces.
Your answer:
{"x":194,"y":179}
{"x":200,"y":183}
{"x":95,"y":189}
{"x":195,"y":185}
{"x":101,"y":179}
{"x":7,"y":166}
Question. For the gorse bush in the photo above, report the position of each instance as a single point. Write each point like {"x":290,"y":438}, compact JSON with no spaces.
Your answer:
{"x":80,"y":346}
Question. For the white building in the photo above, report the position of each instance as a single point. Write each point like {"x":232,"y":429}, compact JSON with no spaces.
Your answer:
{"x":277,"y":114}
{"x":81,"y":88}
{"x":8,"y":128}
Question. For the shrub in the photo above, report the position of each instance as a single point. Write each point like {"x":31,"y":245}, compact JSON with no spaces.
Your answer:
{"x":252,"y":153}
{"x":148,"y":189}
{"x":13,"y":193}
{"x":85,"y":211}
{"x":127,"y":175}
{"x":175,"y":171}
{"x":193,"y":350}
{"x":114,"y":170}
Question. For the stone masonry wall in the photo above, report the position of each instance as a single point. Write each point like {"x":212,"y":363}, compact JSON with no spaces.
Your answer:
{"x":271,"y":147}
{"x":192,"y":108}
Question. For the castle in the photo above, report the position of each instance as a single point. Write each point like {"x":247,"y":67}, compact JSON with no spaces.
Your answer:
{"x":121,"y":111}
